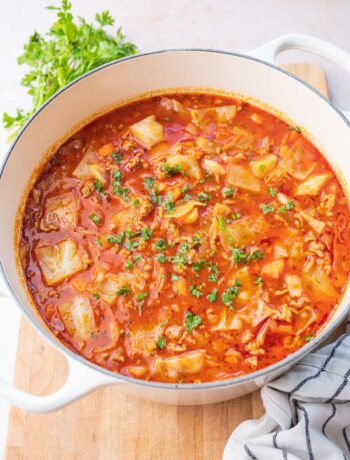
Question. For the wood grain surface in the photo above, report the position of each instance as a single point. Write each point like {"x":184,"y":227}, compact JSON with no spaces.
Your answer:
{"x":109,"y":426}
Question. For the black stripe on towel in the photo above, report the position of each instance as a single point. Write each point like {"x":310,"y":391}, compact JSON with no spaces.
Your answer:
{"x":249,"y":452}
{"x":274,"y":442}
{"x":307,"y":432}
{"x":329,"y":357}
{"x":334,"y":409}
{"x":341,"y":387}
{"x":346,"y":439}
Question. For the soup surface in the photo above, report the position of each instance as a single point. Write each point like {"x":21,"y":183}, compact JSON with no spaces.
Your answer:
{"x":186,"y":238}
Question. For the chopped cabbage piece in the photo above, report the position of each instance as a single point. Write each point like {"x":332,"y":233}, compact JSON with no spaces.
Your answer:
{"x":78,"y":317}
{"x":294,"y":285}
{"x":242,"y":177}
{"x":315,"y":224}
{"x":97,"y":171}
{"x":273,"y":269}
{"x":294,"y":163}
{"x":228,"y":322}
{"x":236,"y":234}
{"x":143,"y":341}
{"x":189,"y":166}
{"x":213,"y":167}
{"x":226,"y":113}
{"x":255,"y":311}
{"x":186,"y":213}
{"x":312,"y":185}
{"x":82,"y":170}
{"x":262,"y":166}
{"x":185,"y":364}
{"x":319,"y":284}
{"x":206,"y":145}
{"x":64,"y":207}
{"x":59,"y":261}
{"x":148,"y":132}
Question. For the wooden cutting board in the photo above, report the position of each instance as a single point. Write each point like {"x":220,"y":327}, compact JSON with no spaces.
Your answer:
{"x":109,"y":426}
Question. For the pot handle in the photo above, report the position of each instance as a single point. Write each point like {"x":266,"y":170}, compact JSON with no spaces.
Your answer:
{"x":272,"y":49}
{"x":81,"y":380}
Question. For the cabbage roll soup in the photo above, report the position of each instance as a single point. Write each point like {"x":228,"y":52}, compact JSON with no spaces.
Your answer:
{"x":186,"y":238}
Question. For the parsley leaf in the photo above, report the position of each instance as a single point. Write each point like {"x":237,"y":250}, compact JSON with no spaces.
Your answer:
{"x":141,"y":296}
{"x":195,"y":291}
{"x":238,"y":255}
{"x":267,"y":208}
{"x":160,"y":245}
{"x":95,"y":218}
{"x":213,"y":295}
{"x":204,"y":197}
{"x":69,"y":49}
{"x":198,"y":266}
{"x":272,"y":192}
{"x":192,"y":321}
{"x":228,"y":191}
{"x":214,"y":272}
{"x":229,"y":295}
{"x":146,"y":233}
{"x":125,"y":290}
{"x":161,"y":343}
{"x":171,"y":170}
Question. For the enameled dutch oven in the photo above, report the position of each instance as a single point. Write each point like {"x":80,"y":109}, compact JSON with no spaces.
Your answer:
{"x":253,"y":76}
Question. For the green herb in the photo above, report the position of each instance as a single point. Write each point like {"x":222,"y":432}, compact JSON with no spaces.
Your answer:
{"x":308,"y":338}
{"x":169,"y":206}
{"x":131,"y":245}
{"x":161,"y":343}
{"x":96,"y":295}
{"x":290,"y":205}
{"x":174,"y":277}
{"x":146,"y":233}
{"x":161,"y":259}
{"x":230,"y":294}
{"x":117,"y":157}
{"x":149,"y":183}
{"x":196,"y":241}
{"x":179,"y":259}
{"x":187,"y":188}
{"x":214,"y":272}
{"x":70,"y":49}
{"x":222,"y":222}
{"x":95,"y":218}
{"x":116,"y":239}
{"x":99,"y":241}
{"x":125,"y":290}
{"x":272,"y":192}
{"x":187,"y":197}
{"x":128,"y":265}
{"x":141,"y":296}
{"x":198,"y":266}
{"x":98,"y":186}
{"x":236,"y":215}
{"x":297,"y":129}
{"x":171,"y":170}
{"x":213,"y":295}
{"x":204,"y":197}
{"x":282,"y":210}
{"x":184,"y":248}
{"x":135,"y":202}
{"x":228,"y":191}
{"x":262,"y":168}
{"x":255,"y":255}
{"x":258,"y":280}
{"x":160,"y":245}
{"x":192,"y":321}
{"x":137,"y":259}
{"x":267,"y":208}
{"x":129,"y":233}
{"x":195,"y":291}
{"x":239,"y":256}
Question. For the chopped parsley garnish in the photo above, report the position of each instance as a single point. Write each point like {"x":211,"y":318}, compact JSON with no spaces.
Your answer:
{"x":236,"y":215}
{"x":290,"y":205}
{"x":141,"y":296}
{"x":198,"y":266}
{"x":183,"y":248}
{"x":214,"y":272}
{"x":272,"y":192}
{"x":228,"y":191}
{"x":239,"y":256}
{"x":118,"y":190}
{"x":146,"y":233}
{"x":99,"y":241}
{"x":137,"y":259}
{"x":204,"y":197}
{"x":171,"y":170}
{"x":297,"y":129}
{"x":149,"y":183}
{"x":222,"y":222}
{"x":229,"y":295}
{"x":192,"y":321}
{"x":161,"y":343}
{"x":116,"y":239}
{"x":95,"y":218}
{"x":282,"y":210}
{"x":117,"y":157}
{"x":179,"y":259}
{"x":161,"y":259}
{"x":125,"y":290}
{"x":258,"y":280}
{"x":98,"y":186}
{"x":187,"y":197}
{"x":96,"y":295}
{"x":135,"y":202}
{"x":308,"y":338}
{"x":267,"y":208}
{"x":187,"y":188}
{"x":169,"y":206}
{"x":128,"y":265}
{"x":213,"y":295}
{"x":160,"y":245}
{"x":196,"y":241}
{"x":195,"y":291}
{"x":129,"y":233}
{"x":262,"y":167}
{"x":174,"y":277}
{"x":255,"y":255}
{"x":131,"y":245}
{"x":117,"y":175}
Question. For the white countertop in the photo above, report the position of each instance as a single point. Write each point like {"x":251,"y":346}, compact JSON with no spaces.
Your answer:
{"x":236,"y":25}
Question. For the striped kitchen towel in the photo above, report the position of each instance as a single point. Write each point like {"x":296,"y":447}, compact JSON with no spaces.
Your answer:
{"x":307,"y":412}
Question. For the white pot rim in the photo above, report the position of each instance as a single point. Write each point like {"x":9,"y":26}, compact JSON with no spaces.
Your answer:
{"x":329,"y":328}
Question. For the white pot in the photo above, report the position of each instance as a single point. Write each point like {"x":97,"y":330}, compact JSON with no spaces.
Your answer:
{"x":252,"y":75}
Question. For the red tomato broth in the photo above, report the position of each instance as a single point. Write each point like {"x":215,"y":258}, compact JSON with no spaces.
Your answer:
{"x":256,"y":238}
